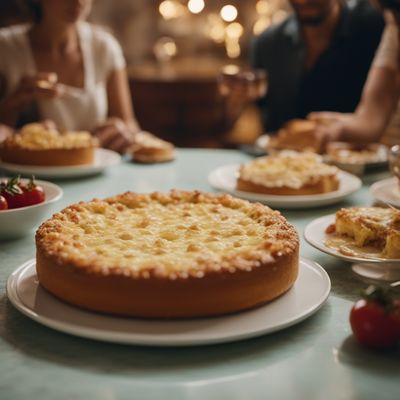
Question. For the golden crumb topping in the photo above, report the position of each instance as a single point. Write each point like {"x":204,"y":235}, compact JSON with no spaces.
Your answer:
{"x":147,"y":140}
{"x":36,"y":136}
{"x":286,"y":169}
{"x":177,"y":234}
{"x":371,"y":226}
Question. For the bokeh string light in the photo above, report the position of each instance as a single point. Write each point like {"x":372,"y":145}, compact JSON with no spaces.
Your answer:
{"x":226,"y":26}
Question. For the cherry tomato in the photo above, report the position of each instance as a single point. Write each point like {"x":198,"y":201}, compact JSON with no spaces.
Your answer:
{"x":16,"y":199}
{"x":33,"y":195}
{"x":19,"y":194}
{"x":375,"y":324}
{"x":3,"y":203}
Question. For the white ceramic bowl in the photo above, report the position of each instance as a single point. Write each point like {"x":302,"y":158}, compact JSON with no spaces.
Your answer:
{"x":20,"y":221}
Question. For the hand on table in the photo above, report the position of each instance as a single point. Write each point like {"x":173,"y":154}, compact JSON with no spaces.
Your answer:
{"x":115,"y":134}
{"x":330,"y":126}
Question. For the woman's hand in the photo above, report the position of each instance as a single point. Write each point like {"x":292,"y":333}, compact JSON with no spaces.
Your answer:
{"x":330,"y":126}
{"x":5,"y":132}
{"x":41,"y":86}
{"x":115,"y":134}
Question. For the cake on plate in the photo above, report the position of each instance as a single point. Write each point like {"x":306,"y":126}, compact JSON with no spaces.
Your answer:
{"x":288,"y":173}
{"x":36,"y":144}
{"x":168,"y":255}
{"x":366,"y":230}
{"x":348,"y":153}
{"x":151,"y":149}
{"x":297,"y":134}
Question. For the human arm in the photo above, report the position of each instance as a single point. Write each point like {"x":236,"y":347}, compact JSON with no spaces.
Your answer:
{"x":368,"y":122}
{"x":42,"y":85}
{"x":119,"y":99}
{"x":5,"y":132}
{"x":379,"y":98}
{"x":118,"y":131}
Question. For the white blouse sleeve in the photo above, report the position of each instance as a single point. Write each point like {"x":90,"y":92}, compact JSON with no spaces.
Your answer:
{"x":387,"y":54}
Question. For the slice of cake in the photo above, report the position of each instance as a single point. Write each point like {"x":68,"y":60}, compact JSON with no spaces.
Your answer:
{"x":36,"y":144}
{"x":151,"y":149}
{"x":288,"y":173}
{"x":299,"y":135}
{"x":370,"y":226}
{"x":177,"y":254}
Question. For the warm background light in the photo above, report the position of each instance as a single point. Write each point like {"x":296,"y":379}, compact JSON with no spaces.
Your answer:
{"x":196,"y":6}
{"x":217,"y":23}
{"x":263,"y":7}
{"x":170,"y":9}
{"x":216,"y":28}
{"x":234,"y":30}
{"x":165,"y":49}
{"x":229,"y":13}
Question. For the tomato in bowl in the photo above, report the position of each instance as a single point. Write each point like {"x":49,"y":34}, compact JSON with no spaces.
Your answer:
{"x":27,"y":207}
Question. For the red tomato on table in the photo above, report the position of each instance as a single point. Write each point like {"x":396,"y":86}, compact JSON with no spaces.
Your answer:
{"x":375,"y":319}
{"x":3,"y":203}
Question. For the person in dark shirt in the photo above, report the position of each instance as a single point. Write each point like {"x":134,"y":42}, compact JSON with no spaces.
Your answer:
{"x":318,"y":59}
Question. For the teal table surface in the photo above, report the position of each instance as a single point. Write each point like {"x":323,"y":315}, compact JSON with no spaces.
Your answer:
{"x":315,"y":359}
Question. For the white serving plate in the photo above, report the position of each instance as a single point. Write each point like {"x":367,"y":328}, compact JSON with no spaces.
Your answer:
{"x":104,"y":159}
{"x":367,"y":267}
{"x":224,"y":178}
{"x":26,"y":294}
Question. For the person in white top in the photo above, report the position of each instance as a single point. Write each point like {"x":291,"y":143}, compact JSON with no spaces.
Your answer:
{"x":66,"y":70}
{"x":379,"y":107}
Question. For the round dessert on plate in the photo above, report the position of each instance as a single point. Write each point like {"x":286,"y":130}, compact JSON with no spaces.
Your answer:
{"x":168,"y":255}
{"x":288,"y":173}
{"x":150,"y":149}
{"x":298,"y":135}
{"x":36,"y":144}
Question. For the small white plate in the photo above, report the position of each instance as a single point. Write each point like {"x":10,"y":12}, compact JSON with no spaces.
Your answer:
{"x":224,"y":178}
{"x":262,"y":143}
{"x":19,"y":221}
{"x":361,"y":168}
{"x":104,"y":158}
{"x":373,"y":268}
{"x":387,"y":191}
{"x":297,"y":304}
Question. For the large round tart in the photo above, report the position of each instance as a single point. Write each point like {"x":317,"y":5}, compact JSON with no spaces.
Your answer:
{"x":38,"y":145}
{"x":169,"y":255}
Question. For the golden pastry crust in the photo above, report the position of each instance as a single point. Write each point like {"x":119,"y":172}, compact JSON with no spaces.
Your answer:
{"x":179,"y":254}
{"x":369,"y":226}
{"x":288,"y":173}
{"x":298,"y":135}
{"x":150,"y":149}
{"x":37,"y":145}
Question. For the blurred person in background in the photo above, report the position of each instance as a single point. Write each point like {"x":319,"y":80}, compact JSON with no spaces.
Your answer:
{"x":379,"y":107}
{"x":317,"y":59}
{"x":63,"y":69}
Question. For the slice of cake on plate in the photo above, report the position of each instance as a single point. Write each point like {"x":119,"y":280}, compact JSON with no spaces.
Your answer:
{"x":372,"y":227}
